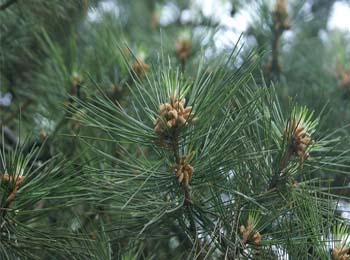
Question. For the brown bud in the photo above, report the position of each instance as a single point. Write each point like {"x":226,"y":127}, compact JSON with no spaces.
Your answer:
{"x":42,"y":134}
{"x":173,"y":114}
{"x":256,"y":239}
{"x":168,"y":106}
{"x":171,"y":123}
{"x":158,"y":128}
{"x":180,"y":177}
{"x":162,"y":107}
{"x":242,"y":229}
{"x":181,"y":120}
{"x":187,"y":178}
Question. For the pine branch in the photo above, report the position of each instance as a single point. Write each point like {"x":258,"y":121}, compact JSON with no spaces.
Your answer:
{"x":200,"y":253}
{"x":280,"y":24}
{"x":285,"y":161}
{"x":275,"y":65}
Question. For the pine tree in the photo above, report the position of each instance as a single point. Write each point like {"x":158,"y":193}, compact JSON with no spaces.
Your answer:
{"x":127,"y":137}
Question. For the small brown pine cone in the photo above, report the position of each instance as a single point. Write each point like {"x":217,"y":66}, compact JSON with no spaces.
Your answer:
{"x":256,"y":239}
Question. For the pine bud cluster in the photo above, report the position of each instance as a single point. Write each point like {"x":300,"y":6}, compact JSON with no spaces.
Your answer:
{"x":173,"y":115}
{"x":250,"y":236}
{"x":184,"y":171}
{"x":342,"y":253}
{"x":17,"y":180}
{"x":300,"y":139}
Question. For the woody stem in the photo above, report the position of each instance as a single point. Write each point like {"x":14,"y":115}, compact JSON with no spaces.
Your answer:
{"x":6,"y":207}
{"x":183,"y":65}
{"x":275,"y":52}
{"x":175,"y":146}
{"x":188,"y":200}
{"x":284,"y":164}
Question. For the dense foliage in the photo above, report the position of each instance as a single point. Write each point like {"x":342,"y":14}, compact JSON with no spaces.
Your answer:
{"x":130,"y":132}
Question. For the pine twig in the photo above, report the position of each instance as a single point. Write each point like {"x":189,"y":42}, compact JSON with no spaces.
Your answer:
{"x":284,"y":164}
{"x":183,"y":66}
{"x":188,"y":199}
{"x":10,"y":198}
{"x":275,"y":65}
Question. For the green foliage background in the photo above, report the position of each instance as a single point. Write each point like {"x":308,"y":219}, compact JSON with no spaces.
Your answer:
{"x":99,"y":182}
